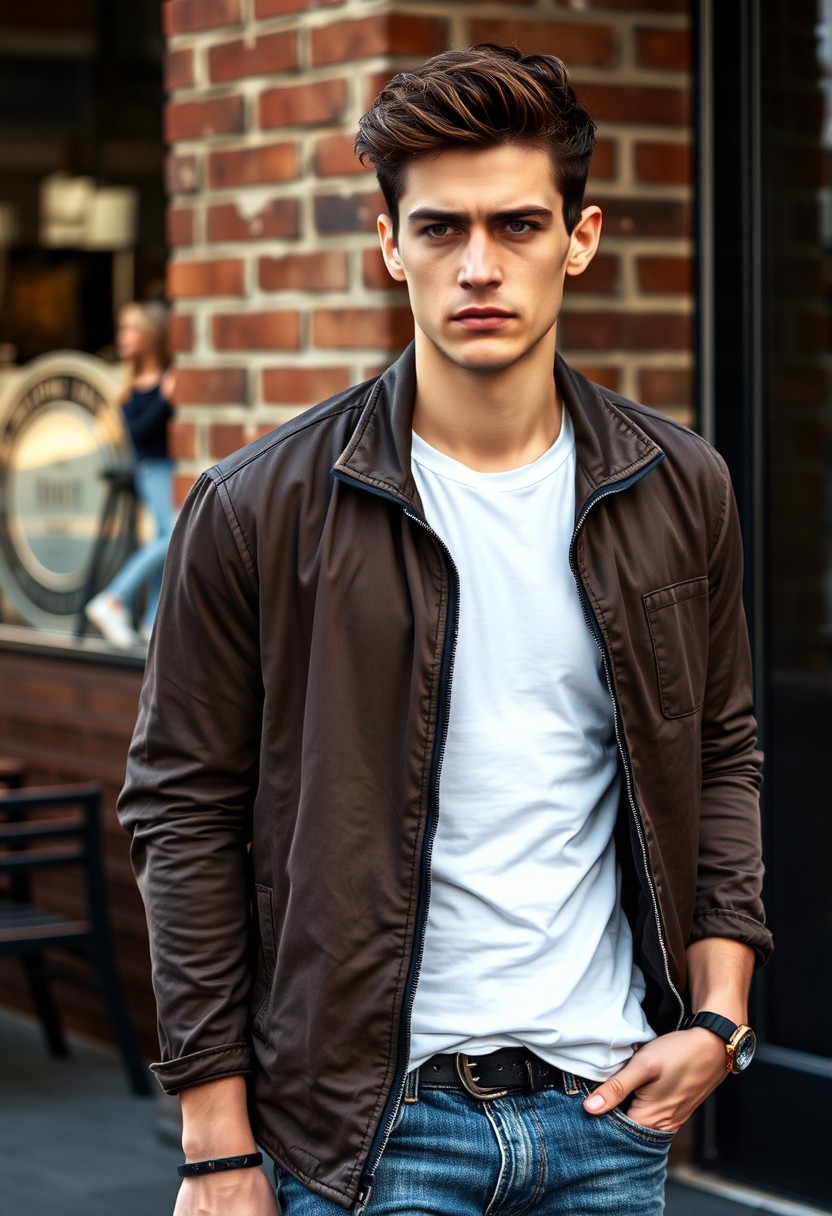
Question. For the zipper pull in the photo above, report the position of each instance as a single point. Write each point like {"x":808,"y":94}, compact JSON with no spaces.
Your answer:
{"x":365,"y":1190}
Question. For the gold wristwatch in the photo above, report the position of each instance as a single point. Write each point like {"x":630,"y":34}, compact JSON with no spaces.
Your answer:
{"x":740,"y":1041}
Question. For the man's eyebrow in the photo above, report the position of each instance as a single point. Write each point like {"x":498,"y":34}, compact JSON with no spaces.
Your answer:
{"x":436,"y":215}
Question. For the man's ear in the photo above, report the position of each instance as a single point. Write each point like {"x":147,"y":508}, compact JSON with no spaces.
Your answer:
{"x":389,"y":248}
{"x":584,"y":240}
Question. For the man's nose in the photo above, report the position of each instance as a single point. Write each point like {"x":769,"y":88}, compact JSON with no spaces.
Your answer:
{"x":480,"y":262}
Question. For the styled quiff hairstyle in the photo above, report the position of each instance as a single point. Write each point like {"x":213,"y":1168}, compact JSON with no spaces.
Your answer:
{"x":477,"y":99}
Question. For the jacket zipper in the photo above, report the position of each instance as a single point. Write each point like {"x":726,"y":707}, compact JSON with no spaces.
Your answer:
{"x":367,"y":1180}
{"x":595,"y":629}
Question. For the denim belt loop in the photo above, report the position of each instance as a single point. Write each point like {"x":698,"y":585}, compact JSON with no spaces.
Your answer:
{"x":411,"y":1087}
{"x":570,"y":1084}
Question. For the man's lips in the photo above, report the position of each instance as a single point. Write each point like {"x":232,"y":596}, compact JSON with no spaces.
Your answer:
{"x":482,"y":318}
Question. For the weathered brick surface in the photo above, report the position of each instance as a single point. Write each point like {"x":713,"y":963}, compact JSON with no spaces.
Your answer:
{"x":664,"y":386}
{"x":327,"y":271}
{"x":271,"y":53}
{"x":180,"y":333}
{"x":303,"y":105}
{"x":194,"y":280}
{"x":604,"y":160}
{"x":663,"y":162}
{"x":276,"y":218}
{"x":225,"y":438}
{"x":269,"y":206}
{"x":334,"y":156}
{"x":667,"y":276}
{"x":336,"y":213}
{"x":280,"y":8}
{"x":644,"y":331}
{"x":182,"y":174}
{"x":600,"y":278}
{"x":652,"y":105}
{"x":577,"y":45}
{"x":303,"y":385}
{"x":183,"y":441}
{"x":255,"y":166}
{"x":604,"y":374}
{"x":188,"y":16}
{"x":204,"y":119}
{"x":374,"y":273}
{"x":665,"y":50}
{"x":386,"y":33}
{"x":354,"y":328}
{"x":179,"y":69}
{"x":201,"y":386}
{"x":638,"y":217}
{"x":180,"y":225}
{"x":256,"y":331}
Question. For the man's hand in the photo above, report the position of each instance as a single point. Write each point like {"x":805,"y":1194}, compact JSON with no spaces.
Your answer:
{"x":237,"y":1193}
{"x":669,"y":1077}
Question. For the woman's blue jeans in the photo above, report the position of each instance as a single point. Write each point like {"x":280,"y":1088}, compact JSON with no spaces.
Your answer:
{"x":144,"y":568}
{"x":451,"y":1155}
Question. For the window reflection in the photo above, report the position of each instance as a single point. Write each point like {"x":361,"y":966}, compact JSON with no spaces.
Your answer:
{"x":797,"y":84}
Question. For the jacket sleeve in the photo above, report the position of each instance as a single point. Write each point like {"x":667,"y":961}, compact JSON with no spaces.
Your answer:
{"x":730,"y":870}
{"x":189,"y":789}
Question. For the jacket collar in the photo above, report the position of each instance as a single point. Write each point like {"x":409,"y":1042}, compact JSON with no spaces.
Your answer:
{"x":610,"y":447}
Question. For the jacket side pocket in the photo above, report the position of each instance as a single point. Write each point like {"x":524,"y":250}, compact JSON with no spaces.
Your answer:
{"x":677,"y":616}
{"x":265,"y":960}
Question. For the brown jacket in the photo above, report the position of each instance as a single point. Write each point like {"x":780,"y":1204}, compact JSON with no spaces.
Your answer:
{"x":296,"y":698}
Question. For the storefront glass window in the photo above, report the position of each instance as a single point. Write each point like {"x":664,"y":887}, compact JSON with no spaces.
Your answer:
{"x":797,"y":155}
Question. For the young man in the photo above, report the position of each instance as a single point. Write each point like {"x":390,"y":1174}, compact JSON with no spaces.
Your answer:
{"x":444,"y":787}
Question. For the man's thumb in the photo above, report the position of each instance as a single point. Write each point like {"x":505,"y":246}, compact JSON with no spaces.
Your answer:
{"x":613,"y":1091}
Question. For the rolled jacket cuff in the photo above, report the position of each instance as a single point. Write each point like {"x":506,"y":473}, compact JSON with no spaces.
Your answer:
{"x":737,"y":926}
{"x":212,"y":1064}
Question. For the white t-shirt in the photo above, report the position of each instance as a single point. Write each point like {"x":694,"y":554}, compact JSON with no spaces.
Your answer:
{"x":526,"y":942}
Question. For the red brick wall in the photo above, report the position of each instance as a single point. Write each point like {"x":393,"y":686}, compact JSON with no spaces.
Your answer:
{"x":280,"y":295}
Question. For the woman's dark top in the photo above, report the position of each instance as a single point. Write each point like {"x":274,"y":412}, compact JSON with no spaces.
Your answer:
{"x":146,"y":414}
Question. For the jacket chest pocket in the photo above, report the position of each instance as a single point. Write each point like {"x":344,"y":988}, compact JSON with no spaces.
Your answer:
{"x":678,"y":620}
{"x":265,"y":962}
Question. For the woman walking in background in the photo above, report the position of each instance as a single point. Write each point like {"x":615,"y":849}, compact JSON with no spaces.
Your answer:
{"x":146,"y":408}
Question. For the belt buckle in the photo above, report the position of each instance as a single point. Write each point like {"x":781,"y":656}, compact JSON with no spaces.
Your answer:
{"x":464,"y":1068}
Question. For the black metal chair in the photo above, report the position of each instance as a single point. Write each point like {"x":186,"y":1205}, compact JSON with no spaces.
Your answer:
{"x":44,"y":832}
{"x":121,"y":497}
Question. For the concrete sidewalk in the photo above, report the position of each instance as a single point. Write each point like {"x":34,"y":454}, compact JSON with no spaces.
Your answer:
{"x":76,"y":1142}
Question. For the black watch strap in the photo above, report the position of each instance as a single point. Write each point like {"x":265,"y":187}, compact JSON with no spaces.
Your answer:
{"x":724,"y":1027}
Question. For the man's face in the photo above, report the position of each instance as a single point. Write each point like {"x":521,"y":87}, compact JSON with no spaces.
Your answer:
{"x":484,"y":251}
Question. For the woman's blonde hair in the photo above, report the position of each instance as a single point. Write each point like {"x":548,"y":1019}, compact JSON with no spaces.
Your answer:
{"x":152,"y":317}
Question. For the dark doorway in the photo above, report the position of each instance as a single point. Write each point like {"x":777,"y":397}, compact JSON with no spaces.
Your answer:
{"x":766,"y":359}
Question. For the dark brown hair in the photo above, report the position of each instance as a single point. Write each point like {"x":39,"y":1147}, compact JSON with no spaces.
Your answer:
{"x":477,"y":99}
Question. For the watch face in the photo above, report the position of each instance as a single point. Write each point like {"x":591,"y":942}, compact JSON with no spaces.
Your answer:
{"x":744,"y":1050}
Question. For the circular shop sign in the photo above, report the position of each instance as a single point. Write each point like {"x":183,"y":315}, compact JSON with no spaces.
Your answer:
{"x":59,"y":432}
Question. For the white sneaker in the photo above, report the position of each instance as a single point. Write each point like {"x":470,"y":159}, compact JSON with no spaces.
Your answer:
{"x":111,"y":616}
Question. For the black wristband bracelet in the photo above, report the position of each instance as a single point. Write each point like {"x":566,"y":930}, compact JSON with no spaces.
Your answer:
{"x":189,"y":1169}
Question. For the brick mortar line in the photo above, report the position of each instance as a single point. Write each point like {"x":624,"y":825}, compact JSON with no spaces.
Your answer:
{"x":627,"y":23}
{"x":372,"y":64}
{"x":642,"y":191}
{"x":347,"y":186}
{"x":609,"y":129}
{"x":647,"y":246}
{"x":637,"y":304}
{"x":623,"y":360}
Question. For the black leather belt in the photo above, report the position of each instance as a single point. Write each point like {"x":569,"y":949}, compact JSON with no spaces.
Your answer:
{"x":511,"y":1070}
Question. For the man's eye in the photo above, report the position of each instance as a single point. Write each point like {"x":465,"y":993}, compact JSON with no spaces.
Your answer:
{"x":437,"y":230}
{"x":519,"y":227}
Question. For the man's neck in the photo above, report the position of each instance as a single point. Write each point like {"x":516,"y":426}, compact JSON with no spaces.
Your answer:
{"x":488,"y":420}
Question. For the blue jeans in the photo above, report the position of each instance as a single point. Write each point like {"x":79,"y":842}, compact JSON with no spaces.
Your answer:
{"x":143,"y":569}
{"x":451,"y":1155}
